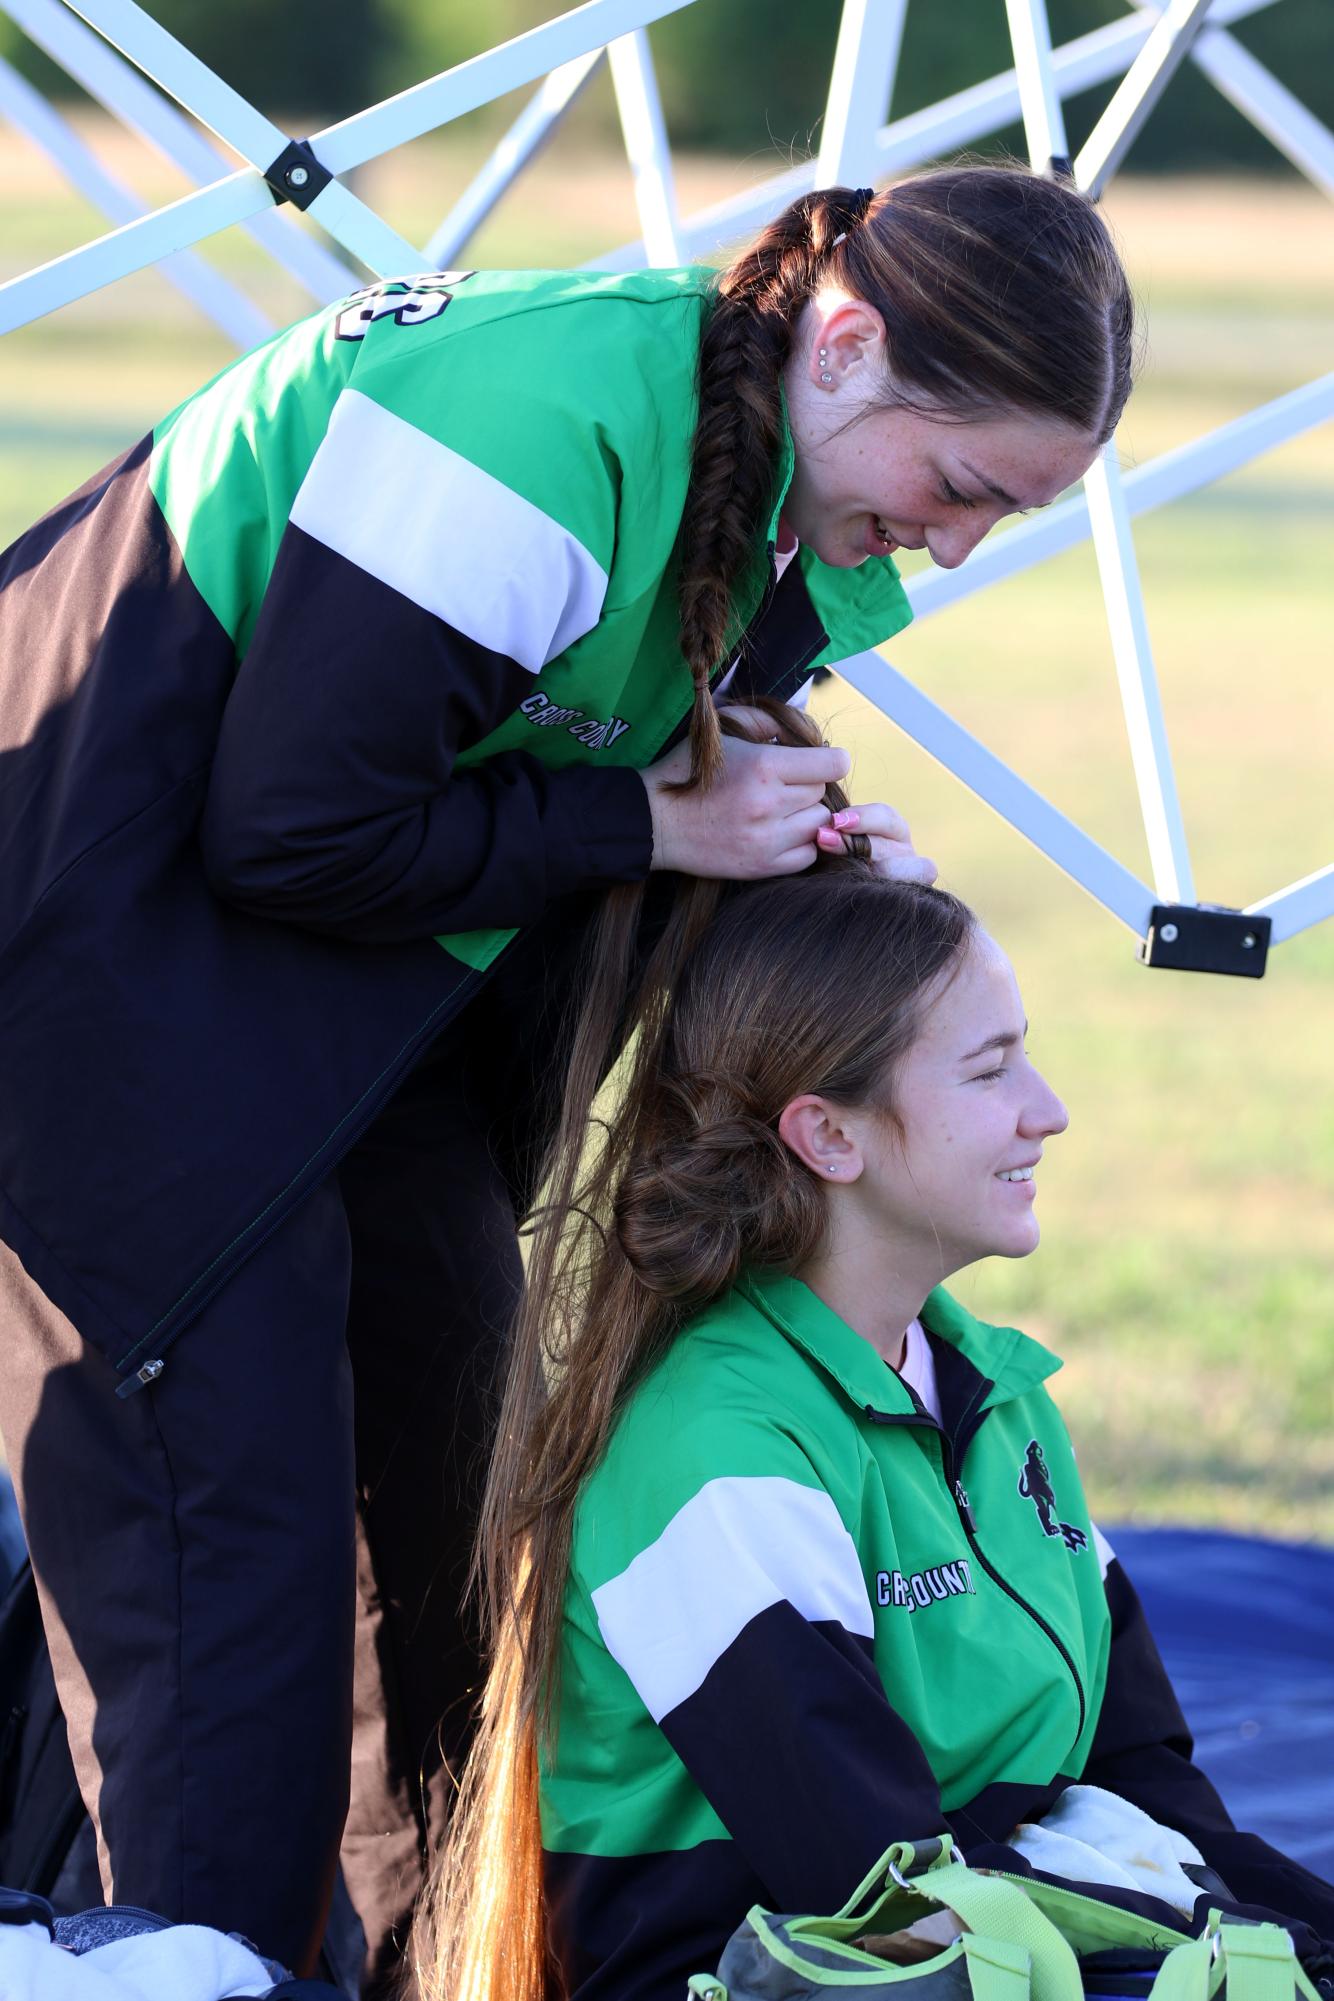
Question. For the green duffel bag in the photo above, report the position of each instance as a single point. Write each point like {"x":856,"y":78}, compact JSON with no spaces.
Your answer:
{"x":1021,"y":1941}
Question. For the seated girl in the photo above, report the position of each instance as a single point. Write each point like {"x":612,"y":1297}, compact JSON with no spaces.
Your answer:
{"x":786,"y":1554}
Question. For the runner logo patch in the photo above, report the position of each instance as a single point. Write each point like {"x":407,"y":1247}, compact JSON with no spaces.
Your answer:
{"x":924,"y":1588}
{"x":1035,"y":1486}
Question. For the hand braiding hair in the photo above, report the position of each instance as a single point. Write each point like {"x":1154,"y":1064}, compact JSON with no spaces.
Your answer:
{"x":767,"y":721}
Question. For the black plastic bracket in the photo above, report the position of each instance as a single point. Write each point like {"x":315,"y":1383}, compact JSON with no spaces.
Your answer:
{"x":296,"y":175}
{"x":1206,"y":938}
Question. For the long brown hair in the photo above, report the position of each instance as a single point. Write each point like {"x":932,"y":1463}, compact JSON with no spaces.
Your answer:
{"x":1001,"y":290}
{"x":812,"y":983}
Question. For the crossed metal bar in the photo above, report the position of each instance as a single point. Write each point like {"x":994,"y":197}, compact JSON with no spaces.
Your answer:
{"x":243,"y":195}
{"x":858,"y":144}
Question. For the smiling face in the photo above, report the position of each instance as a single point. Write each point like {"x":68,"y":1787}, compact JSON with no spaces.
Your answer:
{"x":870,"y":479}
{"x":956,"y":1183}
{"x":951,"y":1179}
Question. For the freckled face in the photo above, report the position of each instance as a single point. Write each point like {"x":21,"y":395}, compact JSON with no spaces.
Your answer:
{"x":869,"y":480}
{"x":896,"y":479}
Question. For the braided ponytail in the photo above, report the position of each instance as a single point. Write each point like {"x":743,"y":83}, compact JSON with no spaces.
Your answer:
{"x":745,"y":345}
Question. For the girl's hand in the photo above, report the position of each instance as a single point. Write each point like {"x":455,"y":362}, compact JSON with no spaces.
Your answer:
{"x":892,"y":851}
{"x":760,"y":819}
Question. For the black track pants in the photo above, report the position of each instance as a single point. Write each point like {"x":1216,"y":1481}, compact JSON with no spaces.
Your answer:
{"x":273,"y":1537}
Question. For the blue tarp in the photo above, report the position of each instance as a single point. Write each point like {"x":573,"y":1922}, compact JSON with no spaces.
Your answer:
{"x":1247,"y":1631}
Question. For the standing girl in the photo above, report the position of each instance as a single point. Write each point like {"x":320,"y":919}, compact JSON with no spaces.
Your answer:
{"x":328,"y":711}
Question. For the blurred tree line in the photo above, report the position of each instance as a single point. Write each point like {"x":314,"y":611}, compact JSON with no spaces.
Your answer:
{"x":741,"y":76}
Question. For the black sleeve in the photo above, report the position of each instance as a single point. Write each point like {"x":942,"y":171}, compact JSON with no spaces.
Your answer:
{"x":334,"y":801}
{"x":790,"y":1731}
{"x":1142,"y":1750}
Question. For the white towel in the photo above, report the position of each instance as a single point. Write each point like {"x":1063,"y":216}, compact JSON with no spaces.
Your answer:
{"x":1092,"y":1836}
{"x":186,"y":1962}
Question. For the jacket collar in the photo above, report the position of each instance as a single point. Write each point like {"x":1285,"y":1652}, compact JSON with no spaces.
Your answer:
{"x":1011,"y":1362}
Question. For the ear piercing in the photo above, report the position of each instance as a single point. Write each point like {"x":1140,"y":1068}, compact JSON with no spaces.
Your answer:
{"x":825,"y":376}
{"x":833,"y":1170}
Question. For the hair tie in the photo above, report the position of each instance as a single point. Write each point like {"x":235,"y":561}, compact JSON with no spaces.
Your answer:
{"x":854,"y":212}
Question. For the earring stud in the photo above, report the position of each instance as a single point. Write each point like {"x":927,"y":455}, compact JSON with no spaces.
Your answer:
{"x":833,"y":1170}
{"x":826,"y":376}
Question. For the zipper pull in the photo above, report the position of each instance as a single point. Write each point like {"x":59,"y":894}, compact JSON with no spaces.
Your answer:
{"x":149,"y":1373}
{"x":965,"y":1506}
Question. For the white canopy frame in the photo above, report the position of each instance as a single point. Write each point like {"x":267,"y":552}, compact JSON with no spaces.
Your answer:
{"x":241,"y":196}
{"x":112,"y":46}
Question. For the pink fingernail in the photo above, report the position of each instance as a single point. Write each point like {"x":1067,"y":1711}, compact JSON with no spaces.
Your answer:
{"x":849,"y":817}
{"x":826,"y":838}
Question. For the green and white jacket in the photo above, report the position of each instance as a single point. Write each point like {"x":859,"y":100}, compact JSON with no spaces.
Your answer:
{"x":804,"y":1620}
{"x":310,"y":702}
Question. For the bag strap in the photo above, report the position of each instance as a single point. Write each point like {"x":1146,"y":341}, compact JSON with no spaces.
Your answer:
{"x":1261,"y":1964}
{"x":1258,"y":1962}
{"x":993,"y":1908}
{"x":989,"y":1906}
{"x":997,"y":1971}
{"x":1185,"y":1974}
{"x":901,"y":1861}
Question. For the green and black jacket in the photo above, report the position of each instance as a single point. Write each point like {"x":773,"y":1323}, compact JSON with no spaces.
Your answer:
{"x":803,"y":1621}
{"x":308,"y":704}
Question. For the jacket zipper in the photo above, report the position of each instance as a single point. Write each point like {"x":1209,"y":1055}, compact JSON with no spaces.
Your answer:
{"x":1166,"y":1936}
{"x":771,"y":581}
{"x":148,"y":1372}
{"x":969,"y":1529}
{"x":803,"y":660}
{"x":732,"y":658}
{"x":800,"y":661}
{"x":960,"y":1497}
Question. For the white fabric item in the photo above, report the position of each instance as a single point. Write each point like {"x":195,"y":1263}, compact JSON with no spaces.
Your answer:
{"x":448,"y":535}
{"x":918,"y":1368}
{"x":1092,"y":1836}
{"x":784,"y":553}
{"x":738,"y":1546}
{"x":1106,"y":1554}
{"x":183,"y":1963}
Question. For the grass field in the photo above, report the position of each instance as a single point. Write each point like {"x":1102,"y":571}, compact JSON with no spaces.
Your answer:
{"x":1187,"y":1272}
